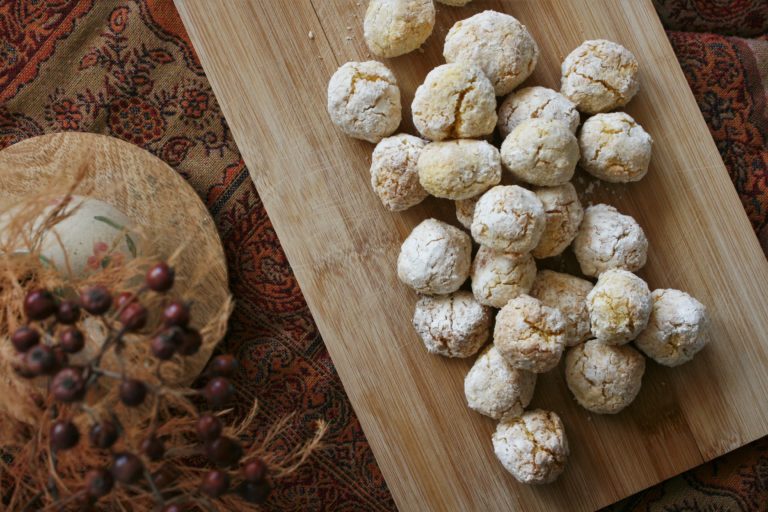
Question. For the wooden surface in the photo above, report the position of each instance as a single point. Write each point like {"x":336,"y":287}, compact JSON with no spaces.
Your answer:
{"x":270,"y":78}
{"x":166,"y":211}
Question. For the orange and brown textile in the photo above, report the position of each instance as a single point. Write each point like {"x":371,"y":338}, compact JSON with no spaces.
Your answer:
{"x":126,"y":68}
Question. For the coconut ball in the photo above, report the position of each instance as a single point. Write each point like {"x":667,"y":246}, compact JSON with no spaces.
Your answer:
{"x":498,"y":43}
{"x":615,"y":148}
{"x":498,"y":277}
{"x":394,"y":171}
{"x":567,"y":294}
{"x":364,"y":100}
{"x":396,"y":27}
{"x":536,"y":103}
{"x":495,"y":389}
{"x":677,"y":328}
{"x":563,"y":215}
{"x":459,"y":169}
{"x":608,"y":239}
{"x":435,"y":258}
{"x":619,"y":306}
{"x":508,"y":218}
{"x":603,"y":378}
{"x":541,"y":152}
{"x":465,"y":210}
{"x":532,"y":447}
{"x":456,"y":101}
{"x":599,"y":76}
{"x":529,"y":335}
{"x":454,"y":325}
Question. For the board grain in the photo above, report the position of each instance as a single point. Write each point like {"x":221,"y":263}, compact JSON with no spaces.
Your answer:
{"x":269,"y":63}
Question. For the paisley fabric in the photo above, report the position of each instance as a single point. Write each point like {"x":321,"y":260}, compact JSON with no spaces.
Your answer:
{"x":126,"y":68}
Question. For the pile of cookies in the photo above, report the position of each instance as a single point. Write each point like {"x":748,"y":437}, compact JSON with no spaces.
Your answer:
{"x":542,"y":314}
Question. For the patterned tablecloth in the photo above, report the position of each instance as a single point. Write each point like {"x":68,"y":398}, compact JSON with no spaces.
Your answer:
{"x":126,"y":68}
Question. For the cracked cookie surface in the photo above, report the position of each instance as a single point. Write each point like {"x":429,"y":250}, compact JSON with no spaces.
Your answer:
{"x":619,"y":307}
{"x":677,"y":328}
{"x":435,"y":258}
{"x":563,"y":214}
{"x":454,"y":325}
{"x":494,"y":388}
{"x":599,"y":76}
{"x":615,"y":148}
{"x":567,"y":294}
{"x":536,"y":103}
{"x":455,"y":101}
{"x":603,"y":378}
{"x":396,"y":27}
{"x":541,"y":152}
{"x":498,"y":44}
{"x":533,"y":447}
{"x":508,"y":218}
{"x":459,"y":169}
{"x":498,"y":277}
{"x":608,"y":239}
{"x":394,"y":171}
{"x":529,"y":335}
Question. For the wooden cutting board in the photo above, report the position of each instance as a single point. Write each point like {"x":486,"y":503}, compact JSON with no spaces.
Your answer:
{"x":269,"y":62}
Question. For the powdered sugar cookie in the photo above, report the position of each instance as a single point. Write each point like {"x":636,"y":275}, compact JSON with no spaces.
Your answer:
{"x":493,"y":388}
{"x":454,"y":325}
{"x":619,"y":307}
{"x":459,"y":169}
{"x":396,"y":27}
{"x":394,"y":171}
{"x":498,"y":277}
{"x":615,"y":148}
{"x":563,"y":214}
{"x":536,"y":103}
{"x":508,"y":218}
{"x":567,"y":294}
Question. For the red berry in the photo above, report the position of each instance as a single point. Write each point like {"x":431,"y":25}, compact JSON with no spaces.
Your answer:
{"x":224,"y":365}
{"x":98,"y":483}
{"x":176,"y":314}
{"x":153,"y":447}
{"x":103,"y":435}
{"x":40,"y":360}
{"x":163,"y":345}
{"x":71,"y":340}
{"x":160,"y":277}
{"x":132,"y":392}
{"x":68,"y":312}
{"x":39,"y":304}
{"x":21,"y":368}
{"x":255,"y":470}
{"x":123,"y":299}
{"x":254,"y":492}
{"x":208,"y":427}
{"x":127,"y":468}
{"x":24,"y":338}
{"x":68,"y":385}
{"x":190,"y":342}
{"x":64,"y":435}
{"x":96,"y":300}
{"x":218,"y":392}
{"x":165,"y":476}
{"x":215,"y":483}
{"x":134,"y":316}
{"x":224,"y":452}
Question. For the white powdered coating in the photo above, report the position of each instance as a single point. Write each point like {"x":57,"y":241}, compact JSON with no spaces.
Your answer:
{"x":536,"y":103}
{"x":563,"y":215}
{"x":608,"y":239}
{"x":529,"y":335}
{"x":498,"y":43}
{"x":533,"y":447}
{"x":603,"y":378}
{"x":567,"y":294}
{"x":435,"y":258}
{"x":508,"y":218}
{"x":677,"y":328}
{"x":396,"y":27}
{"x":459,"y":169}
{"x":454,"y":3}
{"x":498,"y":277}
{"x":619,"y":306}
{"x":394,"y":171}
{"x":599,"y":76}
{"x":364,"y":100}
{"x":495,"y":389}
{"x":465,"y":210}
{"x":541,"y":152}
{"x":615,"y":148}
{"x":455,"y":101}
{"x":454,"y":325}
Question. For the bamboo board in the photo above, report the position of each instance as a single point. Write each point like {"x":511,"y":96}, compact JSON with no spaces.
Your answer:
{"x":270,"y":77}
